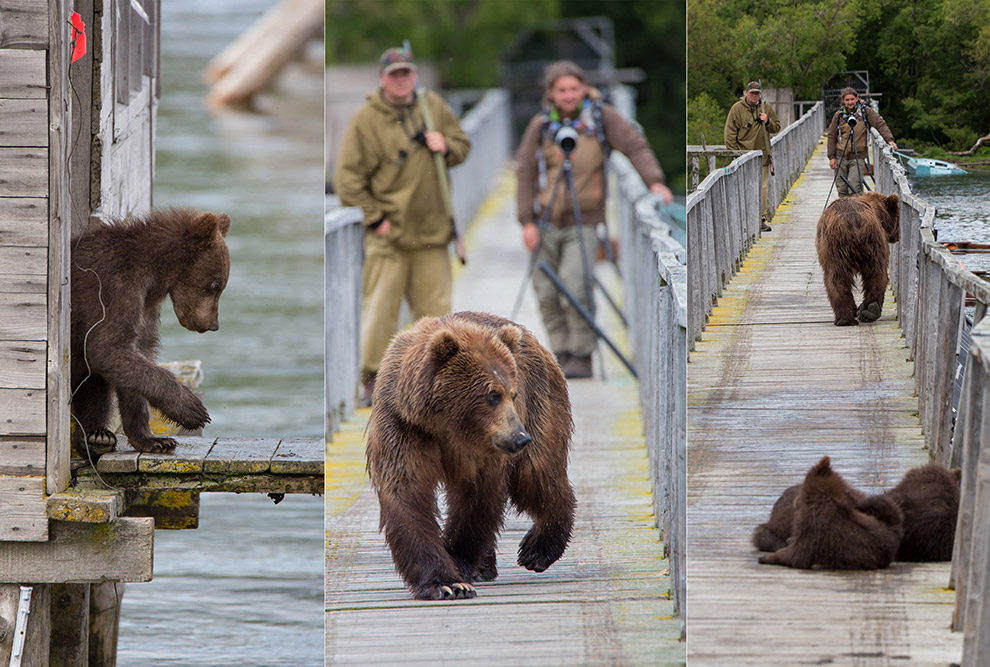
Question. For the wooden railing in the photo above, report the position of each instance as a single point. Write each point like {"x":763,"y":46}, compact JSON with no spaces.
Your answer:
{"x":724,"y":210}
{"x":931,"y":287}
{"x":655,"y":276}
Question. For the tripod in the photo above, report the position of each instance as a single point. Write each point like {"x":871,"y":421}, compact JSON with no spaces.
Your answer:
{"x":566,"y":178}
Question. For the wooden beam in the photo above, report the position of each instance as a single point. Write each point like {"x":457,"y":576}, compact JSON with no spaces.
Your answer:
{"x":86,"y":505}
{"x":22,"y":74}
{"x":25,"y":24}
{"x":171,"y":509}
{"x":81,"y":552}
{"x":23,"y":518}
{"x":22,"y":412}
{"x":70,"y":624}
{"x":23,"y":222}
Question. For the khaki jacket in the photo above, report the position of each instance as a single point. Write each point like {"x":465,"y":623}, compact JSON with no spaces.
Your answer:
{"x":838,"y":133}
{"x":389,"y":175}
{"x":744,"y":130}
{"x":588,"y":162}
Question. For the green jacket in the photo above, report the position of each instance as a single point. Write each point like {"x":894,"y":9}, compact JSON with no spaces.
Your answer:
{"x":588,"y":161}
{"x":382,"y":169}
{"x":743,"y":129}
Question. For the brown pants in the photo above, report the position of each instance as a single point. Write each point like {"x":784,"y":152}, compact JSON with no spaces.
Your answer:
{"x":562,"y":251}
{"x":423,"y":276}
{"x":855,"y":172}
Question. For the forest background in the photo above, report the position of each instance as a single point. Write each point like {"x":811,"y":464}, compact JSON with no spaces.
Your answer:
{"x":930,"y":59}
{"x":466,"y":40}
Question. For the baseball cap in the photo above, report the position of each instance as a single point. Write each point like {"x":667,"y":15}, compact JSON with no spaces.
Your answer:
{"x":396,"y":58}
{"x":752,"y":85}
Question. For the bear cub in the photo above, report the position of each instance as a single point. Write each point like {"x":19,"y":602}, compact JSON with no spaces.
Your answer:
{"x":929,"y":499}
{"x":474,"y":403}
{"x":121,"y":273}
{"x":852,"y":239}
{"x":834,"y":527}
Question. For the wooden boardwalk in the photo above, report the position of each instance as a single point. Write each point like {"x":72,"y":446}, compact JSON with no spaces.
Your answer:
{"x":605,"y":602}
{"x":772,"y":386}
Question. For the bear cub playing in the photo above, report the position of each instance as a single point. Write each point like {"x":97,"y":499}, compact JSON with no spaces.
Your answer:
{"x":852,"y":237}
{"x":837,"y":528}
{"x":121,"y":273}
{"x":472,"y":402}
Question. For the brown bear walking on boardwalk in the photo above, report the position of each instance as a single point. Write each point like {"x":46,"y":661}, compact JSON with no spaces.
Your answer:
{"x":835,"y":528}
{"x":929,"y":499}
{"x":473,"y":402}
{"x":121,"y":273}
{"x":852,"y":238}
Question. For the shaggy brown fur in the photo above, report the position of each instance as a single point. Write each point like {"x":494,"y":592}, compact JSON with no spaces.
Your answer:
{"x":929,"y":499}
{"x":121,"y":273}
{"x":852,"y":238}
{"x":833,"y":529}
{"x":773,"y":534}
{"x":471,"y":401}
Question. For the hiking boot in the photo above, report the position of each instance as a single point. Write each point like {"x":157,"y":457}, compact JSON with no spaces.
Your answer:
{"x":577,"y":368}
{"x":764,"y":227}
{"x":367,"y":390}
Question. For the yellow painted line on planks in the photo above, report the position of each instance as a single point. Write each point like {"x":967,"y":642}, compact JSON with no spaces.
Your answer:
{"x":505,"y":186}
{"x":345,"y":478}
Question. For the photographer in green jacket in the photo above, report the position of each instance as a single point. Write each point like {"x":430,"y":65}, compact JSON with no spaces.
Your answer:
{"x":386,"y":167}
{"x":748,"y":127}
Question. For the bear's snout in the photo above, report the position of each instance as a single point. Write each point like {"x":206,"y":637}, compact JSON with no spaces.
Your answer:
{"x":516,"y":442}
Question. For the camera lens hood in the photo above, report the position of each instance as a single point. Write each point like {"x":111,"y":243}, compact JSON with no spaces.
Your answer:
{"x":566,"y":138}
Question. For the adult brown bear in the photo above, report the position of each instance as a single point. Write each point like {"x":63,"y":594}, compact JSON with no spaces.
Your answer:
{"x":834,"y":527}
{"x":121,"y":273}
{"x":852,"y":239}
{"x":473,"y":402}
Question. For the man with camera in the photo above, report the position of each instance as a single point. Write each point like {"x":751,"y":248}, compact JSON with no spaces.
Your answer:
{"x":386,"y":166}
{"x":748,"y":127}
{"x":856,"y":119}
{"x":578,"y":128}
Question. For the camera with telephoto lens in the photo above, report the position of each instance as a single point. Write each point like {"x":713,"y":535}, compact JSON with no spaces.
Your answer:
{"x":566,"y":138}
{"x":851,"y":120}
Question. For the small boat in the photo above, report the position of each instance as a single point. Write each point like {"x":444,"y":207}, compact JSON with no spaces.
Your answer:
{"x":924,"y":166}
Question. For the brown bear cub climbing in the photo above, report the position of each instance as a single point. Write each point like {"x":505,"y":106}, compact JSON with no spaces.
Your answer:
{"x":836,"y":528}
{"x":929,"y":499}
{"x":852,"y":238}
{"x":472,"y":402}
{"x":121,"y":273}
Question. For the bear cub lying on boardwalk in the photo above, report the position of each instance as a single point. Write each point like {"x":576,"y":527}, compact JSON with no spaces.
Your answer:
{"x":852,"y":237}
{"x":473,"y":402}
{"x":121,"y":273}
{"x":927,"y":496}
{"x":837,"y":528}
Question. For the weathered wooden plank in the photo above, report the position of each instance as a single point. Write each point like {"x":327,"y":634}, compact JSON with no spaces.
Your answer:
{"x":241,"y":455}
{"x":22,"y":517}
{"x":22,"y":412}
{"x":23,"y":122}
{"x":299,"y":456}
{"x":22,"y":316}
{"x":23,"y":261}
{"x":86,"y":505}
{"x":23,"y":172}
{"x":23,"y":24}
{"x":188,"y":457}
{"x":171,"y":509}
{"x":22,"y":457}
{"x":70,"y":624}
{"x":37,"y":639}
{"x":22,"y":74}
{"x":22,"y":364}
{"x":23,"y":222}
{"x":80,"y":552}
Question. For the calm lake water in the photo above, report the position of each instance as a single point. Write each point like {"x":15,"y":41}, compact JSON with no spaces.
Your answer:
{"x":963,"y":204}
{"x":246,"y":587}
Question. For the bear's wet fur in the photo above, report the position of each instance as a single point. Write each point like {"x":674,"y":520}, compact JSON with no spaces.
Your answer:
{"x":121,"y":273}
{"x":472,"y":402}
{"x":836,"y":528}
{"x":929,"y":500}
{"x":852,"y":239}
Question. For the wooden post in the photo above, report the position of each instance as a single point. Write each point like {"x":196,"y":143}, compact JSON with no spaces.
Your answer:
{"x":104,"y":622}
{"x":38,"y":626}
{"x":70,"y":625}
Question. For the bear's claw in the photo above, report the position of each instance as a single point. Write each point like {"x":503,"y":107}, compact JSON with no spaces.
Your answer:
{"x":869,"y":312}
{"x":458,"y":591}
{"x":154,"y":445}
{"x":843,"y":322}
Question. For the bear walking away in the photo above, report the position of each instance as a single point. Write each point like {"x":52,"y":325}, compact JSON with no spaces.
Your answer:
{"x":121,"y":273}
{"x":836,"y":528}
{"x":473,"y":402}
{"x":852,"y":238}
{"x":929,"y":500}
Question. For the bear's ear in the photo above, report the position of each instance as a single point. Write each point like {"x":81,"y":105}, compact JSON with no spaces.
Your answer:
{"x":443,"y":347}
{"x":205,"y":226}
{"x":957,"y":475}
{"x":223,"y":221}
{"x":511,"y":335}
{"x":822,"y":468}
